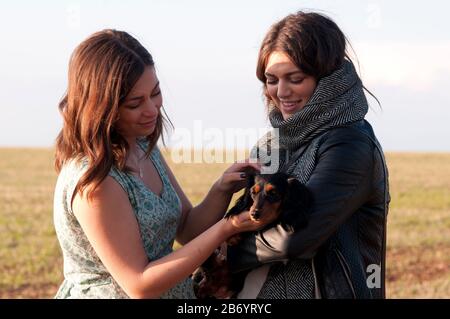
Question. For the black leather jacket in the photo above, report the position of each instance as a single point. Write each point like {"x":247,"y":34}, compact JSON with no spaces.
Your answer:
{"x":345,"y":238}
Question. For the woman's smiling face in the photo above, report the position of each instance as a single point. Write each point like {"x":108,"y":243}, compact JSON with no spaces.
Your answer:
{"x":288,"y":87}
{"x":140,"y":111}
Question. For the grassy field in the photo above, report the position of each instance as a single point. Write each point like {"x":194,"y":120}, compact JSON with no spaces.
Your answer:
{"x":418,"y":262}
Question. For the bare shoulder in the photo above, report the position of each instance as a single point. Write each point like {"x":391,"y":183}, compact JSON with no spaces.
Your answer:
{"x":109,"y":197}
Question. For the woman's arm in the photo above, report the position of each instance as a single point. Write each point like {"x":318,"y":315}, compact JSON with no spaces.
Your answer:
{"x":340,"y":184}
{"x":111,"y":227}
{"x":196,"y":220}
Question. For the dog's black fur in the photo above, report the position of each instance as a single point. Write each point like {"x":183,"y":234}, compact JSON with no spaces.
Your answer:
{"x":292,"y":201}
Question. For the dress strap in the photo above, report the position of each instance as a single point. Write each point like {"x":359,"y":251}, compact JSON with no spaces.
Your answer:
{"x":157,"y":161}
{"x":126,"y":183}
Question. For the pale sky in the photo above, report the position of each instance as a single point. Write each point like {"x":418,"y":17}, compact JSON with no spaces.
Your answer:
{"x":205,"y":54}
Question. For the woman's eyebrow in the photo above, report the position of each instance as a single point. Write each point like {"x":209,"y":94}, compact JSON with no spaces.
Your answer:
{"x":267,"y":74}
{"x":134,"y":98}
{"x":294,"y":72}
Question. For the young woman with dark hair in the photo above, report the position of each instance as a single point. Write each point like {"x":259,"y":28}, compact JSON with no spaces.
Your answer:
{"x":316,"y":102}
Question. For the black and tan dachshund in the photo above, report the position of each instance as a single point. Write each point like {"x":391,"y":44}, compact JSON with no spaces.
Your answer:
{"x":273,"y":198}
{"x":276,"y":197}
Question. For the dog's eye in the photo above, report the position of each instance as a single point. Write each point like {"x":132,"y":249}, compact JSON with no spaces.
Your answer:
{"x":273,"y":193}
{"x":272,"y":196}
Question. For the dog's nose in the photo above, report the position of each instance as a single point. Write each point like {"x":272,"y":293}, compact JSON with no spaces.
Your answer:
{"x":256,"y":214}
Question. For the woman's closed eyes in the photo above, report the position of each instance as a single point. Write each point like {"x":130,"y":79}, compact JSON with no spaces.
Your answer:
{"x":140,"y":98}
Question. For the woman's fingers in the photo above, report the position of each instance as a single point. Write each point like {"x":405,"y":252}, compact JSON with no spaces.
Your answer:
{"x":234,"y":181}
{"x":234,"y":178}
{"x":243,"y":222}
{"x":245,"y":165}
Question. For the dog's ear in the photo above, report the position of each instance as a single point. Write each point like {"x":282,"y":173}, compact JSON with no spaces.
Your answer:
{"x":250,"y":180}
{"x":296,"y":205}
{"x":245,"y":201}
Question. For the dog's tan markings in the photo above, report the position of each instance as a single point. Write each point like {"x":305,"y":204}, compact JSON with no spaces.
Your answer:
{"x":256,"y":189}
{"x":268,"y":187}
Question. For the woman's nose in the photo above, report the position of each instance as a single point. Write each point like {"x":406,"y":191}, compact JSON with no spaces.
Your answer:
{"x":150,"y":107}
{"x":284,"y":90}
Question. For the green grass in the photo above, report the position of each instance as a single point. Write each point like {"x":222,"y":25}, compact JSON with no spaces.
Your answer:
{"x":30,"y":260}
{"x":418,"y":263}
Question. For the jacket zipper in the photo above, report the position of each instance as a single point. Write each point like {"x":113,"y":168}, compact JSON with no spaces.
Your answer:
{"x":345,"y":268}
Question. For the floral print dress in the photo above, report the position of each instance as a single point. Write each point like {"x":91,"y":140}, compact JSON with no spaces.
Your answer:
{"x":158,"y":217}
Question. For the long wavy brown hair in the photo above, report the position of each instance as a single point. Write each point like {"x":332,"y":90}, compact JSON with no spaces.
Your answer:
{"x":102,"y":71}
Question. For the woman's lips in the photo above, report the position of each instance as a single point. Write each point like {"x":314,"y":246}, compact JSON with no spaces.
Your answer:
{"x":290,"y":105}
{"x":149,"y":123}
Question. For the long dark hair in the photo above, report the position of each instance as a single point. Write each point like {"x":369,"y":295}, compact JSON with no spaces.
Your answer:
{"x":314,"y":43}
{"x":102,"y":71}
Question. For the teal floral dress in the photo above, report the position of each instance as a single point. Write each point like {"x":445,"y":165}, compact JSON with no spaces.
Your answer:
{"x":158,"y":217}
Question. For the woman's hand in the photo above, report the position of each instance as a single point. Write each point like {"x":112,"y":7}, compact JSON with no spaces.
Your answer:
{"x":234,"y":177}
{"x":244,"y":222}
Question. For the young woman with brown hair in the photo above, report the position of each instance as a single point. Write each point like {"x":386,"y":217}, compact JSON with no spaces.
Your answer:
{"x":117,"y":206}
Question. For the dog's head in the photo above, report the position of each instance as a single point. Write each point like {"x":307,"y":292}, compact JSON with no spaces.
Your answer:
{"x":268,"y":196}
{"x":268,"y":193}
